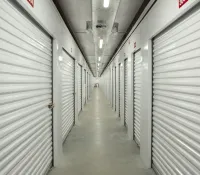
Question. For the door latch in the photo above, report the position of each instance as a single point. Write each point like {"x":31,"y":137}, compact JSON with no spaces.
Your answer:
{"x":51,"y":105}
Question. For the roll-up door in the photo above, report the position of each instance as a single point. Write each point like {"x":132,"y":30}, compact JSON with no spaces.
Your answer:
{"x":88,"y":85}
{"x":125,"y":91}
{"x":176,"y":98}
{"x":119,"y":84}
{"x":112,"y":86}
{"x":115,"y":89}
{"x":85,"y":87}
{"x":68,"y":82}
{"x":25,"y":94}
{"x":113,"y":82}
{"x":79,"y":88}
{"x":137,"y":93}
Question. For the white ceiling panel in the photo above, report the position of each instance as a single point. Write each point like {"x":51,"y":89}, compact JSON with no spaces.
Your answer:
{"x":78,"y":12}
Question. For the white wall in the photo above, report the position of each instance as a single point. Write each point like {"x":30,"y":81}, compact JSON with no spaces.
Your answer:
{"x":46,"y":14}
{"x":159,"y":17}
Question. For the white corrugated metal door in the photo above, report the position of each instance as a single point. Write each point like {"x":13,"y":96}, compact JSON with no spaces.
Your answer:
{"x":176,"y":98}
{"x":85,"y":87}
{"x":125,"y":91}
{"x":119,"y":84}
{"x":25,"y":93}
{"x":79,"y":88}
{"x":88,"y":86}
{"x":137,"y":95}
{"x":67,"y":94}
{"x":113,"y":87}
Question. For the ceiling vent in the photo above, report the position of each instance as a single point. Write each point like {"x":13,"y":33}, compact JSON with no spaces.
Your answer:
{"x":115,"y":27}
{"x":89,"y":26}
{"x":101,"y":24}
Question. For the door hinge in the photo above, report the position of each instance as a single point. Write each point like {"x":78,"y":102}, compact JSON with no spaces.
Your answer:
{"x":51,"y":105}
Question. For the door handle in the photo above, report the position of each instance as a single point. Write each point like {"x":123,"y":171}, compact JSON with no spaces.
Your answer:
{"x":51,"y":105}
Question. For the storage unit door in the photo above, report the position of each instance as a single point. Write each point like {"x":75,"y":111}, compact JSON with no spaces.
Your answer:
{"x":67,"y":95}
{"x":25,"y":93}
{"x":125,"y":91}
{"x":113,"y":84}
{"x":110,"y":86}
{"x":88,"y":85}
{"x":79,"y":88}
{"x":119,"y":84}
{"x":115,"y":89}
{"x":85,"y":87}
{"x":176,"y":98}
{"x":137,"y":95}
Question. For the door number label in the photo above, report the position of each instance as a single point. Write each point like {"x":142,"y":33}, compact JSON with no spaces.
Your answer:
{"x":31,"y":2}
{"x":182,"y":3}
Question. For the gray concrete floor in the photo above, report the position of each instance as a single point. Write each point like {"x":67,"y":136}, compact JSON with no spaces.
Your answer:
{"x":99,"y":145}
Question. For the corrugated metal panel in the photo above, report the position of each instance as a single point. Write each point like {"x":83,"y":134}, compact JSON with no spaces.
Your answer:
{"x":67,"y":94}
{"x":112,"y":88}
{"x":119,"y":84}
{"x":137,"y":95}
{"x":85,"y":87}
{"x":79,"y":88}
{"x":115,"y":89}
{"x":176,"y":98}
{"x":25,"y":93}
{"x":125,"y":91}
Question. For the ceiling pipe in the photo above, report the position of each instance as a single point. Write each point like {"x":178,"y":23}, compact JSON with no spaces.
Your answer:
{"x":72,"y":33}
{"x":142,"y":12}
{"x":105,"y":31}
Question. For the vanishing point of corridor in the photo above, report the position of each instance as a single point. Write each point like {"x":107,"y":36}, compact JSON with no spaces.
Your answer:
{"x":99,"y":144}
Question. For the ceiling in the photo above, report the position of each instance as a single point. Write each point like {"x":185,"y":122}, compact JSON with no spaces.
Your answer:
{"x":77,"y":12}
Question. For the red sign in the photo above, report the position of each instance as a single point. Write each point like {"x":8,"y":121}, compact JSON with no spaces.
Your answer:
{"x":31,"y":2}
{"x":182,"y":3}
{"x":135,"y":45}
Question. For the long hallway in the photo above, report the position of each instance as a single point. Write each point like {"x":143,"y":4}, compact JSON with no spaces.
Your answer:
{"x":99,"y":144}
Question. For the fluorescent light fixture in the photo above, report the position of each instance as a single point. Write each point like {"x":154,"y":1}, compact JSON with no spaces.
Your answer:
{"x":99,"y":58}
{"x":60,"y":58}
{"x":146,"y":47}
{"x":101,"y":43}
{"x":106,"y":3}
{"x":98,"y":64}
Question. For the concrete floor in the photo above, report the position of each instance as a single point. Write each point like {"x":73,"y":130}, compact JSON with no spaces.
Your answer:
{"x":99,"y":145}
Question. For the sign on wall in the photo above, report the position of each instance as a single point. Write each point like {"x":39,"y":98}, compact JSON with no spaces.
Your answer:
{"x":182,"y":3}
{"x":135,"y":45}
{"x":31,"y":2}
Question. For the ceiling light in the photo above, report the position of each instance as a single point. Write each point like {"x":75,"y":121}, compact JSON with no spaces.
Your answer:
{"x":106,"y":3}
{"x":146,"y":47}
{"x":101,"y":43}
{"x":98,"y":64}
{"x":60,"y":58}
{"x":99,"y":58}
